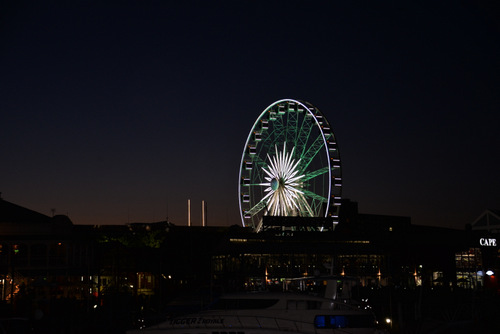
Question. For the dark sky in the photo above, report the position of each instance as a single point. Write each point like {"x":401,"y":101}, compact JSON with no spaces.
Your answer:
{"x":116,"y":112}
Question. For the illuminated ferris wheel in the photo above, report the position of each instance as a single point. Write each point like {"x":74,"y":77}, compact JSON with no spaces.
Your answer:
{"x":290,"y":165}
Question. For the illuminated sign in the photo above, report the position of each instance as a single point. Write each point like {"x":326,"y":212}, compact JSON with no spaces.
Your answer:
{"x":488,"y":242}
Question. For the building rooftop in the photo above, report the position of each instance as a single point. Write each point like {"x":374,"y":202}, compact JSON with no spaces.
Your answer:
{"x":13,"y":213}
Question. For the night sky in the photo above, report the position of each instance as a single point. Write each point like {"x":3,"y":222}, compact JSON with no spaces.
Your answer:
{"x":119,"y":112}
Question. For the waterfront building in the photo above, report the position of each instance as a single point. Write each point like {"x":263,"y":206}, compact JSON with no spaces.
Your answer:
{"x":50,"y":258}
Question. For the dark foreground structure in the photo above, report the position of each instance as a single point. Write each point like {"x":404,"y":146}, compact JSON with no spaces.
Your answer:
{"x":57,"y":277}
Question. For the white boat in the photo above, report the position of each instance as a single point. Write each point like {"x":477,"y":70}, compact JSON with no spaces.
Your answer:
{"x":273,"y":313}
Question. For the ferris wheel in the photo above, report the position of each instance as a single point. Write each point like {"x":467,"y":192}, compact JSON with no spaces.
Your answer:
{"x":290,"y":165}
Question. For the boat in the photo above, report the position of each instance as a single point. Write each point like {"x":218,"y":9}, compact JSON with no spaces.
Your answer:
{"x":275,"y":313}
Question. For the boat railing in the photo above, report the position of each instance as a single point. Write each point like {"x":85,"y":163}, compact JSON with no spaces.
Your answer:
{"x":232,"y":324}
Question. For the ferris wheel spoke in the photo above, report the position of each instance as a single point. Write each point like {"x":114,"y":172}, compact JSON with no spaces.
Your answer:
{"x":292,"y":124}
{"x":305,"y":208}
{"x":290,"y":203}
{"x":313,"y":174}
{"x":294,"y":171}
{"x":314,"y":196}
{"x":312,"y":151}
{"x":287,"y":161}
{"x":256,"y":208}
{"x":279,"y":129}
{"x":257,"y":161}
{"x":303,"y":134}
{"x":269,"y":173}
{"x":293,"y":189}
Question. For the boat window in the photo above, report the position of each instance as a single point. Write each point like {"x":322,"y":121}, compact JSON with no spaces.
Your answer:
{"x":303,"y":305}
{"x":243,"y":304}
{"x":343,"y":321}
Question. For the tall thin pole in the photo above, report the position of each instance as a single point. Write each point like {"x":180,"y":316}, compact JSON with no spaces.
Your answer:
{"x":189,"y":212}
{"x":203,"y":213}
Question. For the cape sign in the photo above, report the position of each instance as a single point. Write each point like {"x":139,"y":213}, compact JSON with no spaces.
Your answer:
{"x":488,"y":242}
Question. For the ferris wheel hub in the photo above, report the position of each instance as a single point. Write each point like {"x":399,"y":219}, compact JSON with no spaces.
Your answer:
{"x":275,"y":184}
